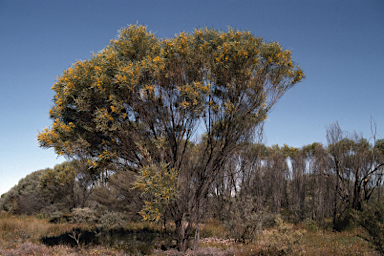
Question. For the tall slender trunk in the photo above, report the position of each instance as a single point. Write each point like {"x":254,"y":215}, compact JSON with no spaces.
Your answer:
{"x":335,"y":202}
{"x":197,"y":238}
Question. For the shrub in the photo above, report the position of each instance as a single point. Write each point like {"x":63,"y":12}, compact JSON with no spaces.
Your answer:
{"x":283,"y":240}
{"x":49,"y":209}
{"x":371,"y":218}
{"x":83,"y":215}
{"x":269,"y":220}
{"x":212,"y":228}
{"x":30,"y":204}
{"x":112,"y":220}
{"x":244,"y":221}
{"x":8,"y":201}
{"x":311,"y":225}
{"x":56,"y":217}
{"x":25,"y":197}
{"x":346,"y":222}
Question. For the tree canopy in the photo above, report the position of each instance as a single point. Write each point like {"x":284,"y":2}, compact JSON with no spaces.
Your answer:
{"x":140,"y":102}
{"x":139,"y":79}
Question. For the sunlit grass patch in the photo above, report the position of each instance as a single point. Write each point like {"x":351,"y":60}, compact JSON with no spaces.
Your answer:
{"x":212,"y":228}
{"x":309,"y":243}
{"x":336,"y":243}
{"x":16,"y":230}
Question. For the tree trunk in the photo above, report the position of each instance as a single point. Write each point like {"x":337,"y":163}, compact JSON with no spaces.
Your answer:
{"x":197,"y":237}
{"x":182,"y":237}
{"x":335,"y":203}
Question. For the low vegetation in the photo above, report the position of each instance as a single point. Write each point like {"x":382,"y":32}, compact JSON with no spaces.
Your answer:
{"x":30,"y":235}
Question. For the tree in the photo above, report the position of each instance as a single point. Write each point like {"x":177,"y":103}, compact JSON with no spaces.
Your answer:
{"x":25,"y":197}
{"x":320,"y":187}
{"x":57,"y":186}
{"x":117,"y":195}
{"x":357,"y":165}
{"x":69,"y":184}
{"x":298,"y":185}
{"x":275,"y":178}
{"x":140,"y":102}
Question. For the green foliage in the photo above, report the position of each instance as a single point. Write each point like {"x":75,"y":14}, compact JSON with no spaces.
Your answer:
{"x":310,"y":149}
{"x":311,"y":225}
{"x":371,"y":218}
{"x":61,"y":175}
{"x":244,"y":222}
{"x":25,"y":197}
{"x":159,"y":185}
{"x":57,"y":185}
{"x":346,"y":221}
{"x":289,"y":151}
{"x":84,"y":215}
{"x":115,"y":91}
{"x":379,"y":147}
{"x":69,"y":184}
{"x":56,"y":217}
{"x":118,"y":195}
{"x":282,"y":240}
{"x":30,"y":184}
{"x":213,"y":228}
{"x":8,"y":201}
{"x":112,"y":220}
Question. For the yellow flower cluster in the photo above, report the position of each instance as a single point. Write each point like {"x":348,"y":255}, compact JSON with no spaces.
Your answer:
{"x":160,"y":182}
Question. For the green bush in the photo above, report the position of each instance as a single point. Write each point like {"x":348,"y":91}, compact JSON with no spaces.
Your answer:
{"x":311,"y":225}
{"x":112,"y":220}
{"x":57,"y":217}
{"x":84,"y":215}
{"x":212,"y":228}
{"x":244,"y":222}
{"x":346,"y":222}
{"x":371,"y":218}
{"x":283,"y":240}
{"x":25,"y":197}
{"x":269,"y":220}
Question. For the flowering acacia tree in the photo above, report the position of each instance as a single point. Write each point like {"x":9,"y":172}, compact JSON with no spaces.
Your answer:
{"x":140,"y":102}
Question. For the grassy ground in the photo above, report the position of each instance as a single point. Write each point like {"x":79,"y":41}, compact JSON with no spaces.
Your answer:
{"x":22,"y":235}
{"x":271,"y":242}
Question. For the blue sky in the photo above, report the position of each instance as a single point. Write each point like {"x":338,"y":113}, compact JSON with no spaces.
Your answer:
{"x":339,"y":44}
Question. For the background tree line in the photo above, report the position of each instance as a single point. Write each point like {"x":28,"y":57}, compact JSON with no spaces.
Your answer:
{"x":313,"y":182}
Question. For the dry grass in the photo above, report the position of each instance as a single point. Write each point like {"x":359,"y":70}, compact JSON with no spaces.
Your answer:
{"x":21,"y":235}
{"x":310,"y":243}
{"x":29,"y":248}
{"x":336,"y":243}
{"x":23,"y":228}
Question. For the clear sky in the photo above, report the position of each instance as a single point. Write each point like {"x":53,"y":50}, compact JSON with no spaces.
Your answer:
{"x":339,"y":44}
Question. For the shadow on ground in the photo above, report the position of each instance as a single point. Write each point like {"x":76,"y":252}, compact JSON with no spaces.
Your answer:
{"x":142,"y":241}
